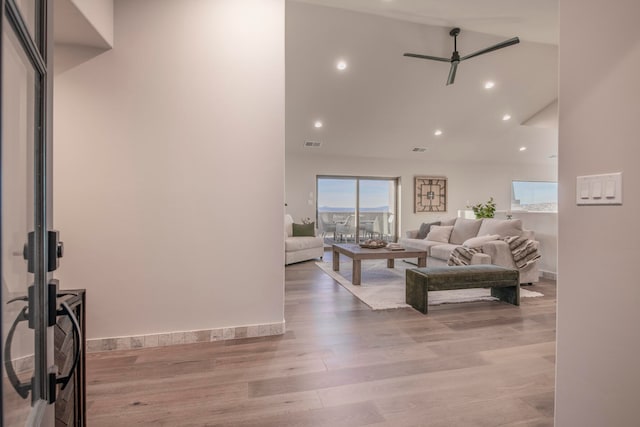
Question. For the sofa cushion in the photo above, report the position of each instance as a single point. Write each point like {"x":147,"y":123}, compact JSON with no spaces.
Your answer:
{"x":465,"y":229}
{"x":476,"y":242}
{"x":450,"y":221}
{"x":442,"y":251}
{"x":422,"y":244}
{"x":292,"y":244}
{"x":440,"y":233}
{"x":303,"y":230}
{"x":501,"y":227}
{"x":425,"y":228}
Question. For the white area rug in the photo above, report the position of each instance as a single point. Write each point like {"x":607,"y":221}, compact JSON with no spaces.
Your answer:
{"x":383,"y":288}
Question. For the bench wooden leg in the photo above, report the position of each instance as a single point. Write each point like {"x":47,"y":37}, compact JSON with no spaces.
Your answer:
{"x":336,"y":261}
{"x":416,"y":294}
{"x":510,"y":294}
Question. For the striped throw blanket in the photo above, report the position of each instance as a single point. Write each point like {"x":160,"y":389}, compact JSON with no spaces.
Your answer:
{"x":462,"y":255}
{"x":524,"y":252}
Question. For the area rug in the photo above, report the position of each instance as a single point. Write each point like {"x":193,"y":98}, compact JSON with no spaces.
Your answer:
{"x":383,"y":288}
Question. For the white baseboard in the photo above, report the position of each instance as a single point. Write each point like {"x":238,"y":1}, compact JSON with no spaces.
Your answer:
{"x":549,"y":275}
{"x":184,"y":337}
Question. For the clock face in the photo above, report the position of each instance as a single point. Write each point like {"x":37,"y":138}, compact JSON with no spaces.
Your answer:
{"x":430,"y":194}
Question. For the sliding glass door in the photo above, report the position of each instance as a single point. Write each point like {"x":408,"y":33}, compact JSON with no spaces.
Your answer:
{"x":353,"y":209}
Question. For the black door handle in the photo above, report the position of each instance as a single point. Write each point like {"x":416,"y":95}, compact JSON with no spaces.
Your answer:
{"x":21,"y":388}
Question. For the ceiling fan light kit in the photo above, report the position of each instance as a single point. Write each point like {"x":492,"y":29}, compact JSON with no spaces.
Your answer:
{"x":455,"y":56}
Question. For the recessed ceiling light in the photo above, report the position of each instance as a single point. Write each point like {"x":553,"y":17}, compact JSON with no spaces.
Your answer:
{"x":523,"y":148}
{"x":506,"y":117}
{"x":438,"y":132}
{"x":317,"y":124}
{"x":489,"y":85}
{"x":341,"y":65}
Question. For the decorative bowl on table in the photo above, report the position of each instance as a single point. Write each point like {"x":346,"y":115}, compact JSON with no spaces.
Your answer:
{"x":373,"y":244}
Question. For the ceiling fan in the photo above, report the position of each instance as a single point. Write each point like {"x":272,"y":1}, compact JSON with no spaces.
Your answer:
{"x":455,"y":56}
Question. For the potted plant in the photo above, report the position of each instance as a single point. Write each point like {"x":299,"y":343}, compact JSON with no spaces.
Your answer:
{"x":484,"y":210}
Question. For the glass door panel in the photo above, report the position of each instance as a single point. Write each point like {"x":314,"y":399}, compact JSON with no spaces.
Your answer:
{"x":19,"y":82}
{"x":28,"y":11}
{"x":336,"y":216}
{"x":353,"y":209}
{"x":377,"y":209}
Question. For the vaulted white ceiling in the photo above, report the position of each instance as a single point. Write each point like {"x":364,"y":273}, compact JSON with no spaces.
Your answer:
{"x":385,"y":104}
{"x":532,"y":20}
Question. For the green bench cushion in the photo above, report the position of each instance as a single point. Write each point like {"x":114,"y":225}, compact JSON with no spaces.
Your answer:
{"x":504,"y":282}
{"x":469,"y":276}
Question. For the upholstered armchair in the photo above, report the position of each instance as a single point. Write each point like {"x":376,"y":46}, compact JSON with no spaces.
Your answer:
{"x":300,"y":248}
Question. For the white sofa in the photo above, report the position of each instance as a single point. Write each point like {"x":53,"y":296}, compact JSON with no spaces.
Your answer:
{"x":296,"y":248}
{"x":495,"y":252}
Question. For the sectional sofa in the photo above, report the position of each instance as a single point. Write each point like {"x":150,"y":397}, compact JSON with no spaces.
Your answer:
{"x":495,"y":252}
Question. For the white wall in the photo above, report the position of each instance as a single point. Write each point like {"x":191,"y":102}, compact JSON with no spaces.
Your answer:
{"x":474,"y":183}
{"x":169,"y":168}
{"x":598,"y":378}
{"x":100,"y":14}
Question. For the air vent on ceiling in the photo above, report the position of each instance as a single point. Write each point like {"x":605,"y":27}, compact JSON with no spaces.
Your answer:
{"x":418,"y":149}
{"x":312,"y":144}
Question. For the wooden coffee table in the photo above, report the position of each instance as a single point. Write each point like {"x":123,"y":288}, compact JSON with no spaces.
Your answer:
{"x":357,"y":254}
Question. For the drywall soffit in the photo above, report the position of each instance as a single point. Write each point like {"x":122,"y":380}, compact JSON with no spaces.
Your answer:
{"x":547,"y":117}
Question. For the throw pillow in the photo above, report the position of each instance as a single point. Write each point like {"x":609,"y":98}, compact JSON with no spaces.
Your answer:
{"x":465,"y":229}
{"x":304,"y":230}
{"x":440,"y":233}
{"x":425,"y":228}
{"x":476,"y":242}
{"x":502,"y":227}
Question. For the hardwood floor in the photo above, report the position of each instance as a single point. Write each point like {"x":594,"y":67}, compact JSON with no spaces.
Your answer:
{"x":341,"y":364}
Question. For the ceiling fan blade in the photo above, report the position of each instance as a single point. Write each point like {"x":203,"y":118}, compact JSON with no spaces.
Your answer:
{"x":452,"y":73}
{"x":434,"y":58}
{"x":505,"y":43}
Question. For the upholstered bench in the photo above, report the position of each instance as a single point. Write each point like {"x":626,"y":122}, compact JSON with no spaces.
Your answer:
{"x":504,"y":282}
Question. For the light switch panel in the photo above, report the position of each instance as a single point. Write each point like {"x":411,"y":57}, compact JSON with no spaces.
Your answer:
{"x":610,"y":189}
{"x":584,"y":190}
{"x":603,"y":189}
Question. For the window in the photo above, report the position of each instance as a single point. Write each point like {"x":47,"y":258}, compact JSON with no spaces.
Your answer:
{"x":534,"y":196}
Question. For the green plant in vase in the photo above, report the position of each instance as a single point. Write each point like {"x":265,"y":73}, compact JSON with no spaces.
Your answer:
{"x":484,"y":210}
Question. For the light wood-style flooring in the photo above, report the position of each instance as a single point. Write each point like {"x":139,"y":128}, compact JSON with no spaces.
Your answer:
{"x":341,"y":364}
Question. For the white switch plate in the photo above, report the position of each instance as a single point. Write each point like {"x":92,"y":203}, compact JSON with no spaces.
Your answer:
{"x":605,"y":189}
